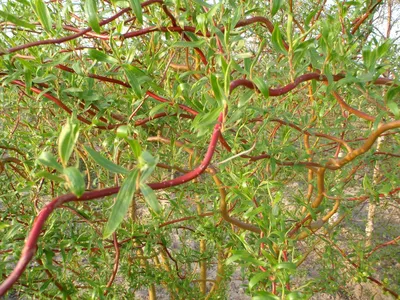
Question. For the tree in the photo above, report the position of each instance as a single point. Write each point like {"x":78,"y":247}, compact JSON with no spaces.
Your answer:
{"x":167,"y":143}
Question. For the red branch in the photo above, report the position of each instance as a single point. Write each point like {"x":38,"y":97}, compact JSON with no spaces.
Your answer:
{"x":302,"y":78}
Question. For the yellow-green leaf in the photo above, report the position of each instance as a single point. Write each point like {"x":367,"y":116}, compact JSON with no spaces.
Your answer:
{"x":91,"y":15}
{"x":192,"y":44}
{"x":17,"y":21}
{"x":277,"y":41}
{"x":105,"y":163}
{"x":101,"y":56}
{"x":133,"y":80}
{"x":75,"y":181}
{"x":262,"y":86}
{"x":257,"y":278}
{"x":150,"y":197}
{"x":43,"y":14}
{"x":121,"y":205}
{"x":123,"y":131}
{"x":275,"y":6}
{"x":67,"y":139}
{"x":47,"y":159}
{"x":137,"y":10}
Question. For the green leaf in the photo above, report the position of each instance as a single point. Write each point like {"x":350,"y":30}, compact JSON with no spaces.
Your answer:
{"x":75,"y":181}
{"x":245,"y":257}
{"x":122,"y":203}
{"x":369,"y":57}
{"x":218,"y":92}
{"x":43,"y":14}
{"x":28,"y":80}
{"x":262,"y":86}
{"x":135,"y":145}
{"x":201,"y":23}
{"x":158,"y":108}
{"x":257,"y":278}
{"x":4,"y":225}
{"x":385,"y":189}
{"x":133,"y":80}
{"x":244,"y":98}
{"x":67,"y":139}
{"x":277,"y":42}
{"x":192,"y":44}
{"x":123,"y":131}
{"x":49,"y":160}
{"x":391,"y":95}
{"x":262,"y":295}
{"x":367,"y":183}
{"x":137,"y":10}
{"x":148,"y":163}
{"x":44,"y":79}
{"x":205,"y":120}
{"x":289,"y":30}
{"x":275,"y":6}
{"x":236,"y":257}
{"x":286,"y":266}
{"x":48,"y":175}
{"x":296,"y":296}
{"x":105,"y":163}
{"x":310,"y":17}
{"x":383,"y":49}
{"x":17,"y":21}
{"x":394,"y":108}
{"x":91,"y":15}
{"x":101,"y":56}
{"x":12,"y":232}
{"x":150,"y":197}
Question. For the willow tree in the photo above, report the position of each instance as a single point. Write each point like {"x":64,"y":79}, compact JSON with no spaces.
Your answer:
{"x":162,"y":145}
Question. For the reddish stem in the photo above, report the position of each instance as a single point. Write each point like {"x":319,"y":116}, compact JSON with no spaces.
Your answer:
{"x":302,"y":78}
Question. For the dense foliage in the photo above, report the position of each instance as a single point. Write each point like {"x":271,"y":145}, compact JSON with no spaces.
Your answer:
{"x":162,"y":145}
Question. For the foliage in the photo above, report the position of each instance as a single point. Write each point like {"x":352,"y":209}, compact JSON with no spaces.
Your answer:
{"x":241,"y":134}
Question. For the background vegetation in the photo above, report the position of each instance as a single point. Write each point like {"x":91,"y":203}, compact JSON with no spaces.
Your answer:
{"x":162,"y":145}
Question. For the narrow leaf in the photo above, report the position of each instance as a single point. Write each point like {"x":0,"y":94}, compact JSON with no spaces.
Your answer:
{"x":137,"y":10}
{"x":257,"y":278}
{"x":158,"y":108}
{"x":48,"y":159}
{"x":275,"y":6}
{"x":296,"y":296}
{"x":67,"y":139}
{"x":218,"y":92}
{"x":192,"y":44}
{"x":123,"y":131}
{"x":15,"y":20}
{"x":121,"y":205}
{"x":75,"y":180}
{"x":91,"y":15}
{"x":101,"y":56}
{"x":48,"y":175}
{"x":133,"y":81}
{"x":43,"y":14}
{"x":150,"y":197}
{"x":105,"y":163}
{"x":392,"y":96}
{"x":137,"y":150}
{"x":286,"y":265}
{"x":262,"y":86}
{"x":28,"y":80}
{"x":148,"y":163}
{"x":277,"y":41}
{"x":289,"y":30}
{"x":262,"y":295}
